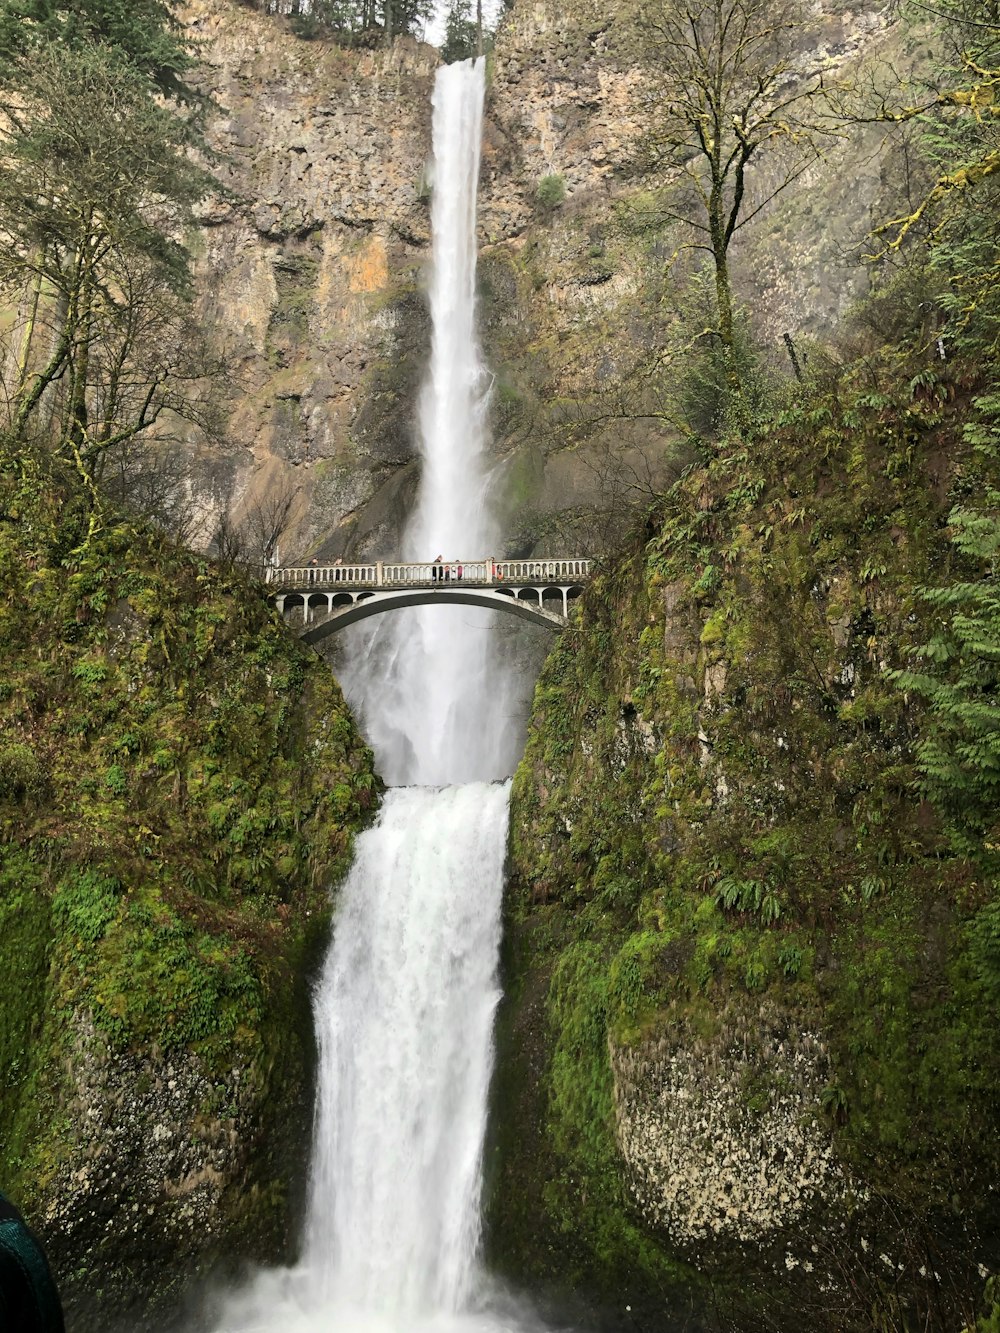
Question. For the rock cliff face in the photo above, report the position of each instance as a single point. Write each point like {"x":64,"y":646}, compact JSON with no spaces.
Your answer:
{"x":312,"y":271}
{"x":179,"y":785}
{"x":309,"y":271}
{"x":582,"y":279}
{"x":746,"y":1057}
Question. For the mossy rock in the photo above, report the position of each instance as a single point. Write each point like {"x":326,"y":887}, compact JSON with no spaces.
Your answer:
{"x":180,"y":781}
{"x":718,"y":814}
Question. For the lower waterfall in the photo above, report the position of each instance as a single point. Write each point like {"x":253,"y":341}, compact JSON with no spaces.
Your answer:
{"x":404,"y":1016}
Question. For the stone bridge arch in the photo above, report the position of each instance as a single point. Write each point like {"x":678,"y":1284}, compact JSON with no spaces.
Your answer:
{"x":320,"y":600}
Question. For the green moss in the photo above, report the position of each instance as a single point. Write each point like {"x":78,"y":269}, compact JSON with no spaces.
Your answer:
{"x":180,"y":781}
{"x":25,"y":945}
{"x":678,"y":855}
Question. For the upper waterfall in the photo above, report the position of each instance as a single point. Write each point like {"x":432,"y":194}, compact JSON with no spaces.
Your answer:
{"x":452,"y":516}
{"x":442,"y":709}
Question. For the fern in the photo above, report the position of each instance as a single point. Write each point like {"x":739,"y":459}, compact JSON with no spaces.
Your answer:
{"x":957,"y":672}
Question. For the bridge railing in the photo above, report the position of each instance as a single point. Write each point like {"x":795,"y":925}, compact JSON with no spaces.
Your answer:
{"x":381,"y":574}
{"x":548,"y":571}
{"x":325,"y":575}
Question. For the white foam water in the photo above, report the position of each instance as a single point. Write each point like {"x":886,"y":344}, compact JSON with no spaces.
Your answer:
{"x":441,"y":711}
{"x":404,"y":1017}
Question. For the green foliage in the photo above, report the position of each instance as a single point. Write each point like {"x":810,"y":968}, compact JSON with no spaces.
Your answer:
{"x":351,"y":22}
{"x":25,"y":941}
{"x":550,"y":193}
{"x":461,"y":33}
{"x":85,"y":904}
{"x":155,"y":978}
{"x":581,"y":998}
{"x":748,"y":895}
{"x":715,"y":386}
{"x":959,"y":754}
{"x":984,"y":949}
{"x":179,"y":782}
{"x":144,"y":34}
{"x":21,"y":774}
{"x":989,"y":1322}
{"x":734,"y":804}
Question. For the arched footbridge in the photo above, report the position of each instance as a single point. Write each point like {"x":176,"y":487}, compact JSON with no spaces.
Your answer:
{"x":321,"y":599}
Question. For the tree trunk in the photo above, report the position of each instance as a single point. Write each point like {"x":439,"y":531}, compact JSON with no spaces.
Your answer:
{"x":24,"y":359}
{"x":723,"y":287}
{"x":479,"y":27}
{"x":76,"y":414}
{"x":724,"y":301}
{"x":387,"y":34}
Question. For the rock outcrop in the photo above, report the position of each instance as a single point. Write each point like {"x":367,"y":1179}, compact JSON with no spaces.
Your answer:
{"x":746,"y":1048}
{"x":180,"y":781}
{"x":309,"y":273}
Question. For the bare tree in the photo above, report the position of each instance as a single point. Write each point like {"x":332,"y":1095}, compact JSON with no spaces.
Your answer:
{"x":723,"y":90}
{"x":95,"y":184}
{"x":250,"y":541}
{"x":156,"y":482}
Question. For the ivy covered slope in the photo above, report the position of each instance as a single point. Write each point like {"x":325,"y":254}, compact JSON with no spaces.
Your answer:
{"x":754,"y":941}
{"x":179,"y":785}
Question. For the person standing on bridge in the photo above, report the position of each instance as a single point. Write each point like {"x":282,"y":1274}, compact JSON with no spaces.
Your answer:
{"x":437,"y":571}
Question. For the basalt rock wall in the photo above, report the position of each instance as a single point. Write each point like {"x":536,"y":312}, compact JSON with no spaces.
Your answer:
{"x":311,"y":272}
{"x":309,"y":276}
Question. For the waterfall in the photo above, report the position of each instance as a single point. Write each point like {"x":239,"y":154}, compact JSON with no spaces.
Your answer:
{"x":442,"y":709}
{"x":404,"y":1009}
{"x":405,"y":1015}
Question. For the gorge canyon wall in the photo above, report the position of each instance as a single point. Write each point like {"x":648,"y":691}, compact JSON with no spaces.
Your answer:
{"x":311,"y":270}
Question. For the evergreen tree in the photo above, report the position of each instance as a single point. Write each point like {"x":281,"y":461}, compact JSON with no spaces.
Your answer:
{"x":461,"y":34}
{"x":352,"y":21}
{"x":959,"y":676}
{"x":143,"y":33}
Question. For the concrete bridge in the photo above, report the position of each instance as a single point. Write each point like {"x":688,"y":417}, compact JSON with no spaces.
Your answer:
{"x":321,"y":599}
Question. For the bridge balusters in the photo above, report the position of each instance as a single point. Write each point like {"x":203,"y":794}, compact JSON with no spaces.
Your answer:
{"x":515,"y":574}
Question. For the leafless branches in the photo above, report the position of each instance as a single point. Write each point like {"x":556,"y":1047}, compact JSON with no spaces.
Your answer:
{"x":725,"y":86}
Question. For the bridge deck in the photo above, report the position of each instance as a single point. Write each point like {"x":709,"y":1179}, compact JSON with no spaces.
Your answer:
{"x":388,"y":575}
{"x":325,"y":598}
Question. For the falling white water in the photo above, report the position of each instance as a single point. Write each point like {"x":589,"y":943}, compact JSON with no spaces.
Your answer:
{"x":404,"y":1016}
{"x":404,"y":1010}
{"x":441,"y":711}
